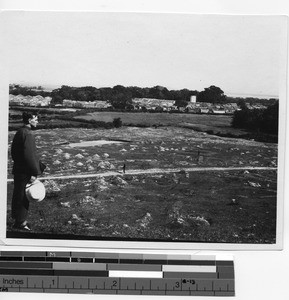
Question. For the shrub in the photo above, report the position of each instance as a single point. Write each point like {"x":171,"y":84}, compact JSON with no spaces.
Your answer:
{"x":117,"y":122}
{"x":259,"y":120}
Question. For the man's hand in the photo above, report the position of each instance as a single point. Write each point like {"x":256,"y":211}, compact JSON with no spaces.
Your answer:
{"x":33,"y":178}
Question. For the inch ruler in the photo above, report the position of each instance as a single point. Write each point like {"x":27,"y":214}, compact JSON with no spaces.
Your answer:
{"x":116,"y":273}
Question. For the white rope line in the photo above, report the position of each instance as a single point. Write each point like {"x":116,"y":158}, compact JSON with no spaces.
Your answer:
{"x":154,"y":171}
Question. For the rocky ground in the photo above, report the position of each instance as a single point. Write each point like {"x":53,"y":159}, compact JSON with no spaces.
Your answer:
{"x":236,"y":206}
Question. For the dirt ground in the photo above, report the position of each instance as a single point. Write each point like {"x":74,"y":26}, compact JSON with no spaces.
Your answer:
{"x":230,"y":206}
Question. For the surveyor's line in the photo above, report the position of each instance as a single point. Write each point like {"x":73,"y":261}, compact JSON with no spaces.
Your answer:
{"x":155,"y":171}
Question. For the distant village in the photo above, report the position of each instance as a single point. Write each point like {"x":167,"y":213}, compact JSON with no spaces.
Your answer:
{"x":138,"y":104}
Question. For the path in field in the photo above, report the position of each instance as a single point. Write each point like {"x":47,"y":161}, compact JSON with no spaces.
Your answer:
{"x":157,"y":171}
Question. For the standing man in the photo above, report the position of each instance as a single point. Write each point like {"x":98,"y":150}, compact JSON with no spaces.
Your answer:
{"x":26,"y":168}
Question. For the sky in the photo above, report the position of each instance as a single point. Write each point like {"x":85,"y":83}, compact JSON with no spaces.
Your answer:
{"x":240,"y":54}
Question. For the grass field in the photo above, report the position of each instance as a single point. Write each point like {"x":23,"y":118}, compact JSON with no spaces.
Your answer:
{"x":229,"y":206}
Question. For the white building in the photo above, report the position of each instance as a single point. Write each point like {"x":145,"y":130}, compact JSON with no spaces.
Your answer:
{"x":193,"y":99}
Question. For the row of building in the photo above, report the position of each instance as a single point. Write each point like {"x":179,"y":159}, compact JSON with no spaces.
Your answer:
{"x":138,"y":104}
{"x":20,"y":100}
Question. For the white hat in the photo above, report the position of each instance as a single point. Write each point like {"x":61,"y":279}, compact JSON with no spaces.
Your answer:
{"x":35,"y":191}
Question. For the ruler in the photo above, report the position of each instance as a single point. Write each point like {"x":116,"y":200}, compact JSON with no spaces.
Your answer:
{"x":116,"y":273}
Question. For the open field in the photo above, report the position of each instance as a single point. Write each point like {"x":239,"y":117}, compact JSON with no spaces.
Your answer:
{"x":215,"y":123}
{"x":181,"y":203}
{"x":219,"y":125}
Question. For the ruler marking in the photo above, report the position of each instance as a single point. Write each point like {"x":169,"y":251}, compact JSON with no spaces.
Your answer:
{"x":75,"y":278}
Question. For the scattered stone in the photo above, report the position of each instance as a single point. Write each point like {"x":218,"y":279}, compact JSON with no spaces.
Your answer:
{"x":59,"y":151}
{"x":102,"y":185}
{"x":105,"y":165}
{"x":89,"y":161}
{"x":75,"y":217}
{"x":246,"y":172}
{"x":67,"y":155}
{"x":233,"y":202}
{"x":90,"y":168}
{"x":175,"y":217}
{"x":65,"y":204}
{"x":80,"y":156}
{"x":56,"y":162}
{"x":52,"y":188}
{"x":274,"y":163}
{"x":175,"y":178}
{"x":183,"y":163}
{"x":96,"y":157}
{"x":105,"y":155}
{"x":254,"y":184}
{"x":199,"y":221}
{"x":118,"y":181}
{"x":88,"y":199}
{"x":79,"y":164}
{"x":145,"y":221}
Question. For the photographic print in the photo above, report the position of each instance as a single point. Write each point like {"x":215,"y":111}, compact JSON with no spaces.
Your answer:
{"x":145,"y":128}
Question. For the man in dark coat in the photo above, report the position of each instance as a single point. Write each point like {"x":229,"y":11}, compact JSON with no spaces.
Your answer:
{"x":26,"y":168}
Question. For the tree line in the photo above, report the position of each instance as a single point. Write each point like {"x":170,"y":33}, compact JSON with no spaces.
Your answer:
{"x":258,"y":120}
{"x":121,"y":97}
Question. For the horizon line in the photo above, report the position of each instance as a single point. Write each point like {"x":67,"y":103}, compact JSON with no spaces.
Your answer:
{"x":50,"y":87}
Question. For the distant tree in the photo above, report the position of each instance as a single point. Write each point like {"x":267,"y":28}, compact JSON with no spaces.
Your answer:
{"x":241,"y":103}
{"x":136,"y":92}
{"x":270,"y":120}
{"x":106,"y":93}
{"x":16,"y":89}
{"x":158,"y":92}
{"x":260,"y":120}
{"x":121,"y":100}
{"x":213,"y":94}
{"x":65,"y":92}
{"x":159,"y":109}
{"x":81,"y":95}
{"x":56,"y":99}
{"x":117,"y":122}
{"x":181,"y":103}
{"x":119,"y":89}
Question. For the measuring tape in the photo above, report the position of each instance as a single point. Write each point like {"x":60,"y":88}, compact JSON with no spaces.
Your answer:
{"x":116,"y":273}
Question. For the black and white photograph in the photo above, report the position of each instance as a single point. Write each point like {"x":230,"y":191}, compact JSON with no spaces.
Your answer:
{"x":145,"y":128}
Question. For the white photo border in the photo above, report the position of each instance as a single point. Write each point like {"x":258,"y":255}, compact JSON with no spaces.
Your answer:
{"x":4,"y":94}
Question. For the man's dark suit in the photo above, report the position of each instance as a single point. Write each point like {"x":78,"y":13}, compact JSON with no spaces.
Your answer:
{"x":26,"y":164}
